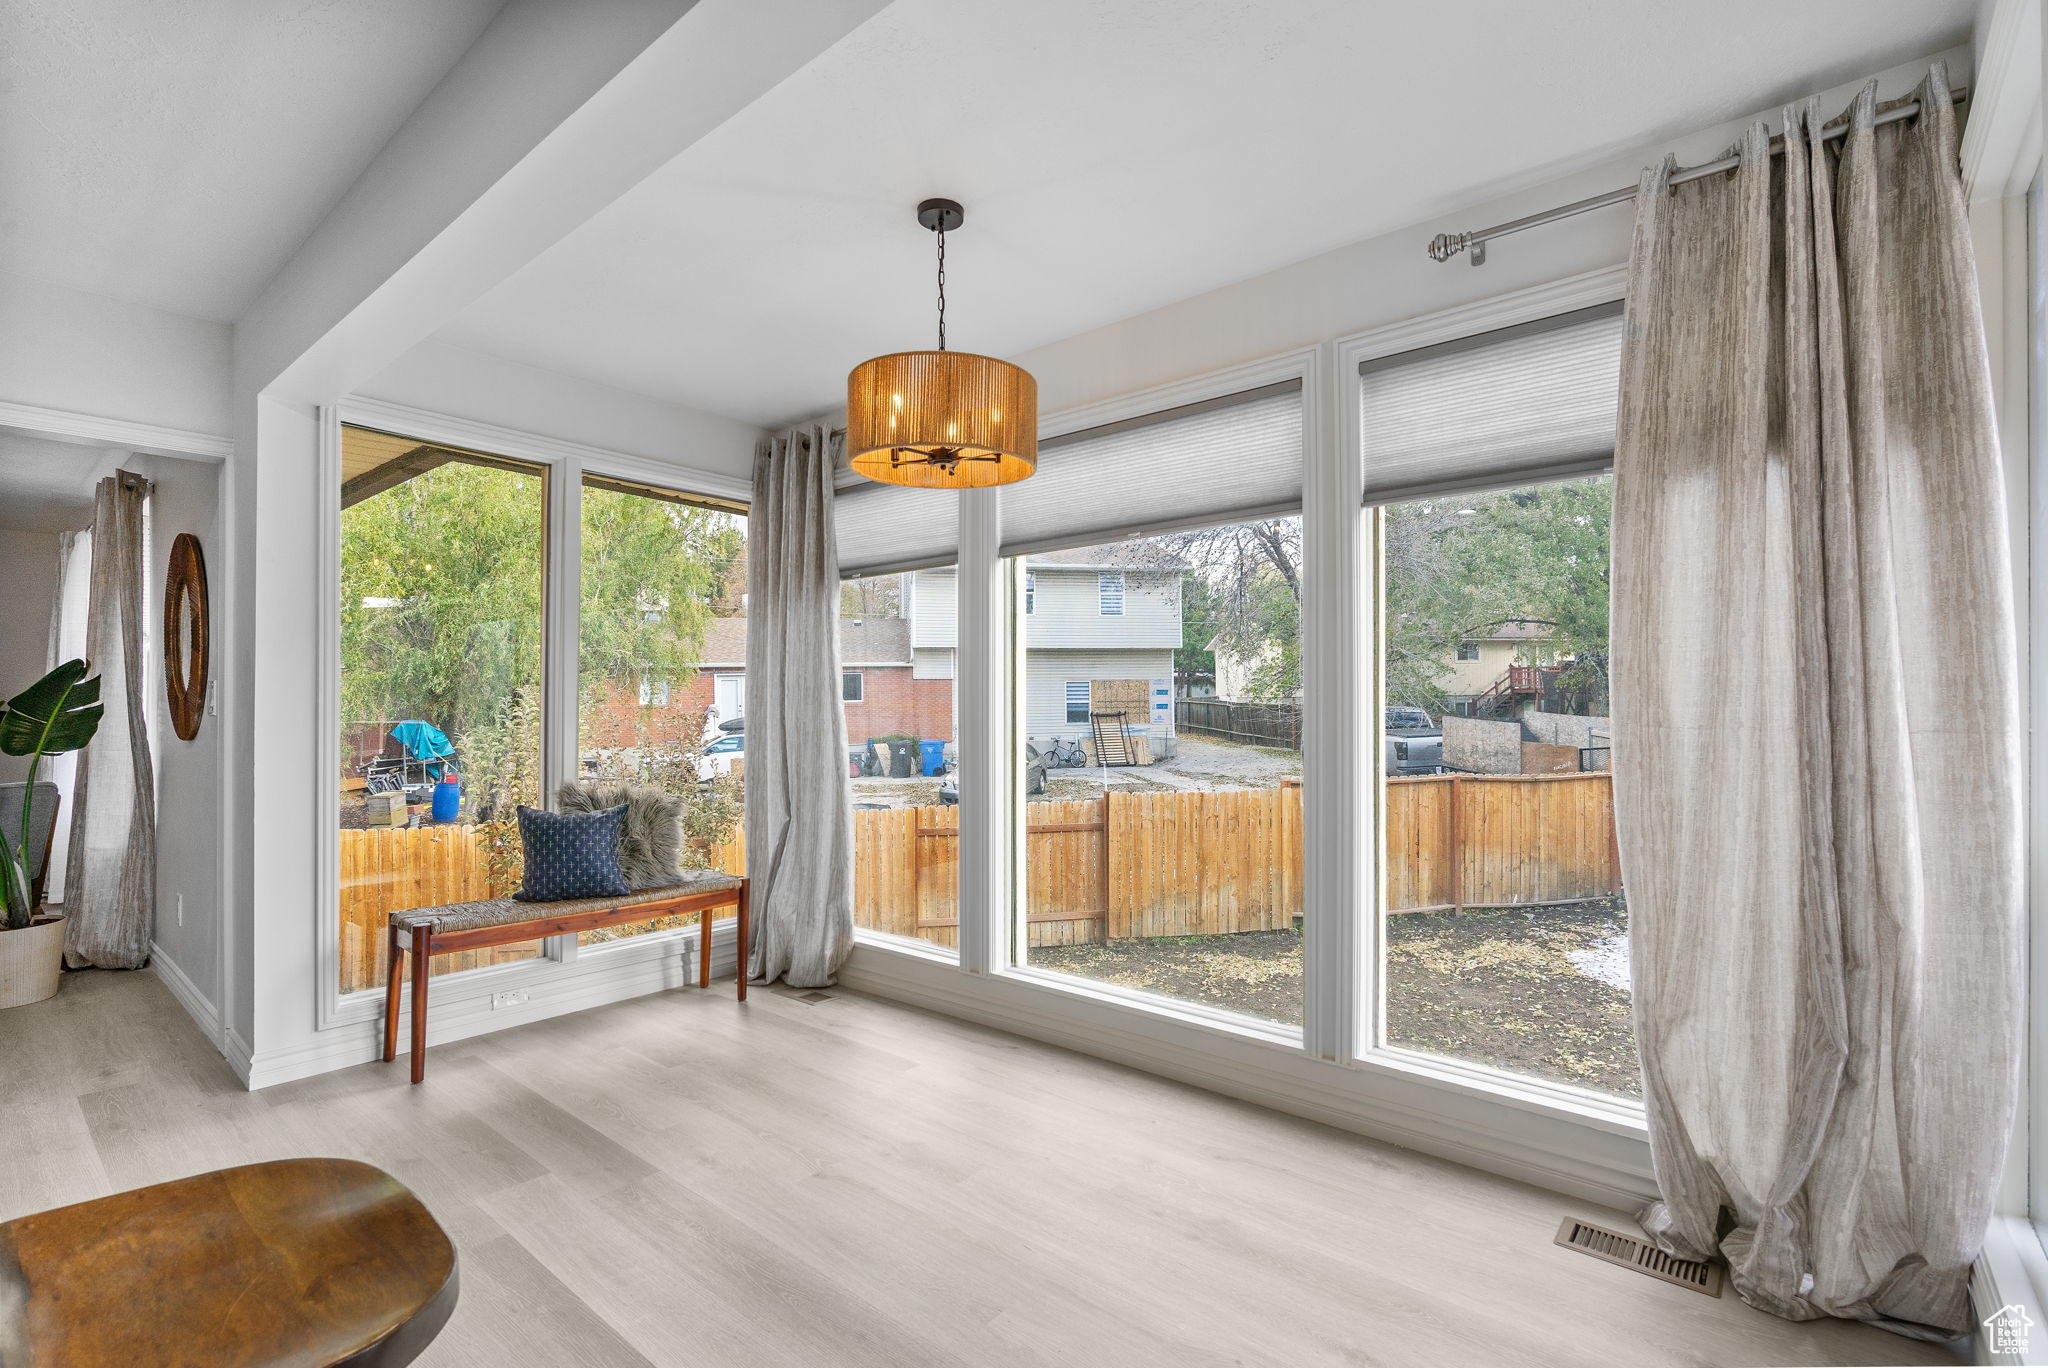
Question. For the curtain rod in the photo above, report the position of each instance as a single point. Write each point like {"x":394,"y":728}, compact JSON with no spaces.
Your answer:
{"x":1444,"y":246}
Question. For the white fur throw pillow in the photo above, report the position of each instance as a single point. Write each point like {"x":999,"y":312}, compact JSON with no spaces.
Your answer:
{"x":652,"y":842}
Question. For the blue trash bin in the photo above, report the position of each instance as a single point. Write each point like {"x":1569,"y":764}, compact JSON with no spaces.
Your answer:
{"x":933,"y":754}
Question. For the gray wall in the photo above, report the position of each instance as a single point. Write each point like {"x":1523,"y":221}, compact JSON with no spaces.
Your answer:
{"x":28,"y":579}
{"x":1482,"y":747}
{"x":1564,"y":729}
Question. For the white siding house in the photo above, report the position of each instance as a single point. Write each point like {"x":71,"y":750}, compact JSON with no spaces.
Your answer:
{"x":1096,"y":613}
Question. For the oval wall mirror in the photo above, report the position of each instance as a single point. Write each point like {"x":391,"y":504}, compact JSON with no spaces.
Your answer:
{"x":185,"y":636}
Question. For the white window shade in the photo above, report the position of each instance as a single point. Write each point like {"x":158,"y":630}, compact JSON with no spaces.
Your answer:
{"x":880,"y":529}
{"x":1530,"y":402}
{"x":1223,"y":460}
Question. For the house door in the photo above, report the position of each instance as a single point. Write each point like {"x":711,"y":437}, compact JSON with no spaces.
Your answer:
{"x":729,"y":696}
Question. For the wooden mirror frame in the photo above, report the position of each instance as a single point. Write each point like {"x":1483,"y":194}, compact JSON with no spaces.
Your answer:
{"x":185,"y":596}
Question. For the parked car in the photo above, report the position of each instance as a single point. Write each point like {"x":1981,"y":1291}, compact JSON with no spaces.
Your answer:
{"x":1405,"y":717}
{"x":1414,"y":752}
{"x":718,"y":758}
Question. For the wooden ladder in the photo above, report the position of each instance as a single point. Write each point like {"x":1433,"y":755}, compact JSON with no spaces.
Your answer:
{"x":1112,"y":747}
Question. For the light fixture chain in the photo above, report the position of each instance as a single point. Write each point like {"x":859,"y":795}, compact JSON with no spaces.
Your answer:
{"x":942,"y":287}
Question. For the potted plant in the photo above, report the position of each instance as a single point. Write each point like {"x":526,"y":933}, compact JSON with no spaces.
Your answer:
{"x":58,"y":713}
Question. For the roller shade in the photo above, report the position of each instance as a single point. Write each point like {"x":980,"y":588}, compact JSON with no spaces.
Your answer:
{"x":1531,"y":402}
{"x":1222,"y":460}
{"x":880,"y":529}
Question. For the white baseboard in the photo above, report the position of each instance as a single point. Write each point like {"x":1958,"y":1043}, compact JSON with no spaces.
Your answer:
{"x":195,"y":1003}
{"x":591,"y":981}
{"x":1592,"y":1162}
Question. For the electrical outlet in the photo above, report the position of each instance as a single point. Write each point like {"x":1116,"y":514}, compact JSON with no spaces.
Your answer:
{"x":511,"y":997}
{"x":181,"y":909}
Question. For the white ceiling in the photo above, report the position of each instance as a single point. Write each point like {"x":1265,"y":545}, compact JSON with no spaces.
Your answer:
{"x":1114,"y":157}
{"x":47,"y":486}
{"x":176,"y":152}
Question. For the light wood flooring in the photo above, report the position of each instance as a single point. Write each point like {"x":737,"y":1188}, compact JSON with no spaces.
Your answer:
{"x":684,"y":1180}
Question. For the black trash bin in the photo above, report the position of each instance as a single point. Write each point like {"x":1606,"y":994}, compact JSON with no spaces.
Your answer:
{"x":902,"y":759}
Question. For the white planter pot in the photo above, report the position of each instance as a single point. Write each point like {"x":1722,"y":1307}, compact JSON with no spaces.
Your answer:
{"x":31,"y":961}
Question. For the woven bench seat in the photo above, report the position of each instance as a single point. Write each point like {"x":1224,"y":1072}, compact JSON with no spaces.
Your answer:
{"x":424,"y":932}
{"x":471,"y":916}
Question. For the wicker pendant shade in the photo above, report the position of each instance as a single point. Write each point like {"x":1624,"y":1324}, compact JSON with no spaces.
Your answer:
{"x":942,"y":420}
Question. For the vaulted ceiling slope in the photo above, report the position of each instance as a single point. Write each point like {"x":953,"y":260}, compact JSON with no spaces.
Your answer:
{"x":175,"y":153}
{"x":1114,"y":157}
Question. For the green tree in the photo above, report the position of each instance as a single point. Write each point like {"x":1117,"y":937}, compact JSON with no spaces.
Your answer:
{"x":442,"y":582}
{"x":1457,"y":565}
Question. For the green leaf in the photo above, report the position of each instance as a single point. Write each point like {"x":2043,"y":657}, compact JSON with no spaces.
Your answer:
{"x":58,"y":713}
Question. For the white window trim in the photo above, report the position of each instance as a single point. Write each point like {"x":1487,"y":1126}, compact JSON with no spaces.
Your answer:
{"x":1109,"y":588}
{"x":1030,"y":592}
{"x":860,"y":686}
{"x":556,"y":982}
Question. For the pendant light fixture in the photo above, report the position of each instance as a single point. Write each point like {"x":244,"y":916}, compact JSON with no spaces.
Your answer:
{"x":942,"y":419}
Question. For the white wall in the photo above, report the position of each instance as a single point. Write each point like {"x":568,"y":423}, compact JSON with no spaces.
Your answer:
{"x":188,"y":773}
{"x":28,"y":572}
{"x":467,"y":384}
{"x":87,"y":354}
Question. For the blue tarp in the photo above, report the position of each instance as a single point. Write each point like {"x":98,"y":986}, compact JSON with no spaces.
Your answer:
{"x":423,"y":741}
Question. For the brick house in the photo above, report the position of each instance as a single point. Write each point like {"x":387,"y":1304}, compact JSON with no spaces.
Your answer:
{"x":880,"y":693}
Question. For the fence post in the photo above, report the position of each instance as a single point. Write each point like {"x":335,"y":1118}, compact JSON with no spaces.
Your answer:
{"x":1457,"y":844}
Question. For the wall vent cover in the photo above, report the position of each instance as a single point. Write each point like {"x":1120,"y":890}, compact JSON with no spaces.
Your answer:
{"x":1644,"y":1257}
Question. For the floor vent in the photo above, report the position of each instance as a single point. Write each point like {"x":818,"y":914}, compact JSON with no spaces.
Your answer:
{"x":814,"y":997}
{"x":1643,"y":1257}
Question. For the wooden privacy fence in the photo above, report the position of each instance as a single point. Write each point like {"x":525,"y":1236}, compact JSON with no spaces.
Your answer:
{"x":1253,"y":724}
{"x":1120,"y":867}
{"x":1498,"y":840}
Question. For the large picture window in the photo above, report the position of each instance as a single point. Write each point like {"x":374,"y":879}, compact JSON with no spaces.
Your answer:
{"x":1504,"y":934}
{"x":443,"y":572}
{"x":663,"y":596}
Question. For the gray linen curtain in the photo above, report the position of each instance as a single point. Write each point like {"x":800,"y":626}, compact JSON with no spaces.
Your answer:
{"x":1817,"y":743}
{"x":799,"y":809}
{"x":110,"y":869}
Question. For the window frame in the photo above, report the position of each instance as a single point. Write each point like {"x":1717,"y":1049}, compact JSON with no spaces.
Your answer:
{"x":858,"y":679}
{"x":1562,"y":1130}
{"x":1468,"y":651}
{"x":1030,"y":592}
{"x":1110,"y":587}
{"x":596,"y":970}
{"x":1087,"y":702}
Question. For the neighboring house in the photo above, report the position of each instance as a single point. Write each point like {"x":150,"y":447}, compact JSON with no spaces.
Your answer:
{"x":880,"y":694}
{"x":1235,"y":673}
{"x":1481,"y":660}
{"x":1101,"y":625}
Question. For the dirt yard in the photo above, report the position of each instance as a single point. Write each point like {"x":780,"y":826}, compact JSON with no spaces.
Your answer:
{"x":1532,"y":990}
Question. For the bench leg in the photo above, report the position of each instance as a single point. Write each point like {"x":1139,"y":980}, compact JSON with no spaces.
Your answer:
{"x":745,"y":946}
{"x":422,"y":945}
{"x":395,"y":949}
{"x":704,"y":948}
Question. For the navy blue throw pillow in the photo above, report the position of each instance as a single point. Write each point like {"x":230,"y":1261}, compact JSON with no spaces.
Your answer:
{"x":571,"y":854}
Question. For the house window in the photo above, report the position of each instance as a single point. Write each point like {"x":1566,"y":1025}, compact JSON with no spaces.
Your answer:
{"x":657,"y":584}
{"x":1077,"y":702}
{"x":906,"y":884}
{"x":1030,"y":592}
{"x":1109,"y":586}
{"x":443,"y":587}
{"x":1468,"y":650}
{"x":1203,"y":884}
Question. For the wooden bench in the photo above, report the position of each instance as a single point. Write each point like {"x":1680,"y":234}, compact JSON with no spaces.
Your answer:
{"x":428,"y":931}
{"x":298,"y":1263}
